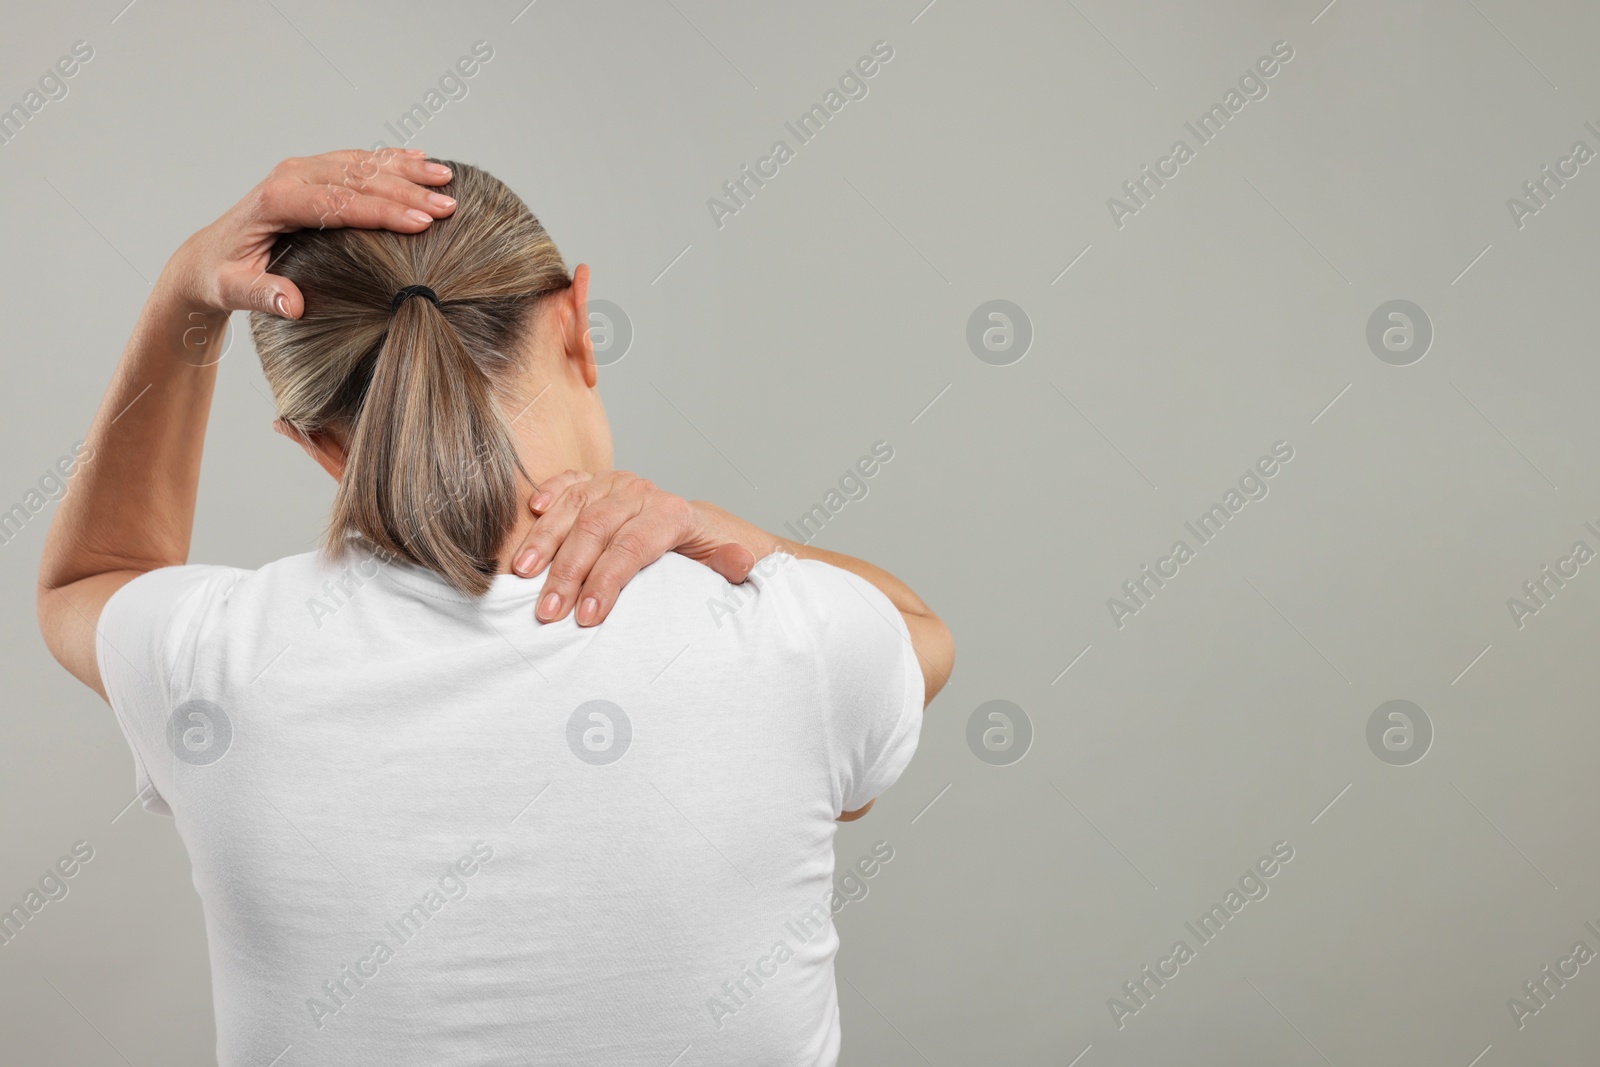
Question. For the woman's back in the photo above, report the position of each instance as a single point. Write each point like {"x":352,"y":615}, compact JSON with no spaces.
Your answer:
{"x":427,"y":828}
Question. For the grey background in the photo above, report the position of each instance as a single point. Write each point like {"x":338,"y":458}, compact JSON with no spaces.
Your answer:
{"x":828,"y":314}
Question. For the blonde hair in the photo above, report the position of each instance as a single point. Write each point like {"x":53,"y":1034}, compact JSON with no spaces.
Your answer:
{"x":431,"y":463}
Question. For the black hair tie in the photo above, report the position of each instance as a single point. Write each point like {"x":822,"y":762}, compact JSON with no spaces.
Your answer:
{"x":410,"y":291}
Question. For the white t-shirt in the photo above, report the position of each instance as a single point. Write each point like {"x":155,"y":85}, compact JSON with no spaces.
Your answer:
{"x":427,"y":829}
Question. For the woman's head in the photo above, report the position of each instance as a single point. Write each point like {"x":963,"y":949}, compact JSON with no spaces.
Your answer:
{"x":426,"y":414}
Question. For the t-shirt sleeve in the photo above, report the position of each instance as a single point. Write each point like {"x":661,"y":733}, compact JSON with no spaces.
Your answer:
{"x":871,"y":677}
{"x":145,"y":645}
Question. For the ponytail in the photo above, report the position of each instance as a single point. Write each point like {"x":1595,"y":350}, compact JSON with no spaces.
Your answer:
{"x":413,"y":389}
{"x":431,"y":475}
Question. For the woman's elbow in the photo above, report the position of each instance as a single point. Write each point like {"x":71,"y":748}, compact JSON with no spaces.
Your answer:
{"x":936,"y":653}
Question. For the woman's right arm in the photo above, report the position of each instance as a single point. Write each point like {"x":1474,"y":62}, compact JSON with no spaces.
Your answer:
{"x":930,"y":637}
{"x":594,"y":532}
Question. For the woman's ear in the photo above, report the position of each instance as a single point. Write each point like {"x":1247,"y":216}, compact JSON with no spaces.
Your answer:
{"x":579,"y":341}
{"x":323,"y":448}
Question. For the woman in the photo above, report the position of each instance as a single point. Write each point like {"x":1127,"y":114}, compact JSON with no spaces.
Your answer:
{"x":436,"y":815}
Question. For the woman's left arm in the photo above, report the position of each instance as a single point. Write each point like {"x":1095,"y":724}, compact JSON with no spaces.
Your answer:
{"x":130,"y":508}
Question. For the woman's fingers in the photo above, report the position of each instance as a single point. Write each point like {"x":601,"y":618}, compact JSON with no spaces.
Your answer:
{"x":552,"y":488}
{"x":405,"y":162}
{"x":732,"y":561}
{"x":287,"y":203}
{"x":353,"y":167}
{"x":595,"y":528}
{"x":556,"y":510}
{"x":378,"y":201}
{"x":245,"y":289}
{"x":597,"y":533}
{"x":371,"y":190}
{"x":637,"y":543}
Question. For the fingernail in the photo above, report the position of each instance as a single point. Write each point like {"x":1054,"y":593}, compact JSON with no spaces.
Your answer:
{"x":437,"y":170}
{"x":541,"y":501}
{"x":281,"y":302}
{"x":440,"y":200}
{"x":418,"y":216}
{"x":415,"y":152}
{"x":526,"y":561}
{"x":588,"y":610}
{"x":550,"y":605}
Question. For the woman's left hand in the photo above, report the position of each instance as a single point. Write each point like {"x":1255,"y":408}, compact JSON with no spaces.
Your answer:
{"x":223,"y":267}
{"x":596,"y":531}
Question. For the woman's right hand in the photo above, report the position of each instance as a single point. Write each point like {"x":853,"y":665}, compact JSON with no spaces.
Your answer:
{"x":596,"y":531}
